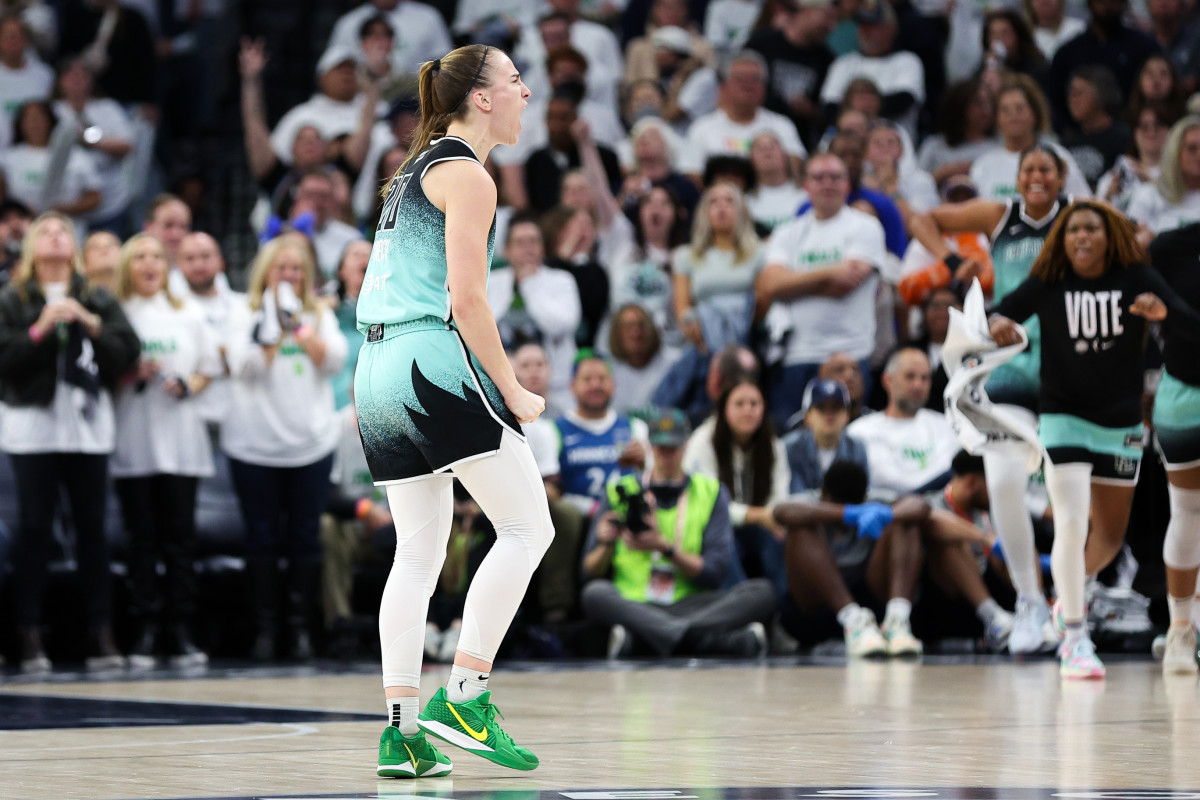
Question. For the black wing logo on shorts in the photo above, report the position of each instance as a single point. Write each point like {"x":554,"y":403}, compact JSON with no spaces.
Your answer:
{"x":456,"y":427}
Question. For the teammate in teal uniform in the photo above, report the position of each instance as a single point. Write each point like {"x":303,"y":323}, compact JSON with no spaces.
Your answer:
{"x":437,"y":400}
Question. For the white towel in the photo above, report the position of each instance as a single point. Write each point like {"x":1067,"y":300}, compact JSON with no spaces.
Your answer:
{"x":969,"y":356}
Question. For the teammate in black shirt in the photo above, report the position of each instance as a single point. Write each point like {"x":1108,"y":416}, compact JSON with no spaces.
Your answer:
{"x":1177,"y":430}
{"x":1092,"y":296}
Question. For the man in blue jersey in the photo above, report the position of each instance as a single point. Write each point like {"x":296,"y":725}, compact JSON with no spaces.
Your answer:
{"x":596,"y":444}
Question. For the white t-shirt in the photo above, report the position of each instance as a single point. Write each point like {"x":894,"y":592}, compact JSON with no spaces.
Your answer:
{"x":59,"y":427}
{"x":727,"y":23}
{"x":34,"y":81}
{"x":157,"y":433}
{"x":213,"y":403}
{"x":420,"y":33}
{"x":1150,"y":208}
{"x":633,"y":388}
{"x":700,"y":457}
{"x":995,"y":174}
{"x":1049,"y":41}
{"x":771,"y":206}
{"x":895,"y":73}
{"x":330,"y":117}
{"x":820,"y":325}
{"x":598,"y":45}
{"x":542,"y":435}
{"x":25,"y":170}
{"x":109,"y":117}
{"x":282,"y":414}
{"x":905,"y":455}
{"x":716,"y":134}
{"x":330,"y":242}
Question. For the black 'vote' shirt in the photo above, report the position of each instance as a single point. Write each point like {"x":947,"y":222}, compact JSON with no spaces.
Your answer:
{"x":1092,"y":346}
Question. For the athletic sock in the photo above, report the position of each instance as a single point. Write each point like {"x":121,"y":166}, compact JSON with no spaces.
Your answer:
{"x":898,"y":609}
{"x":987,"y":610}
{"x":1074,"y":632}
{"x":465,"y":684}
{"x":847,"y":613}
{"x":1180,"y":610}
{"x":403,"y":711}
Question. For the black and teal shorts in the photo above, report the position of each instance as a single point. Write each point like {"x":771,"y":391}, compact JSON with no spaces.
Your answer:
{"x":1114,"y":453}
{"x":424,"y":403}
{"x":1177,"y":422}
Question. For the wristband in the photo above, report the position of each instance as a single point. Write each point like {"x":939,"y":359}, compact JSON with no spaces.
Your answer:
{"x":953,"y":262}
{"x":362,"y":508}
{"x":35,"y":335}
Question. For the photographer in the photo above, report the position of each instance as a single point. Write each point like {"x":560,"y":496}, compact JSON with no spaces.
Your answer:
{"x":656,"y":557}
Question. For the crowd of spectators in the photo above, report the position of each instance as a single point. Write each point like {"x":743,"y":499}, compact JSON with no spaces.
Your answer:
{"x":703,"y":261}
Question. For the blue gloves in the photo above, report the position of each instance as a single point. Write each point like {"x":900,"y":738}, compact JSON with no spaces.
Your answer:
{"x":868,"y":518}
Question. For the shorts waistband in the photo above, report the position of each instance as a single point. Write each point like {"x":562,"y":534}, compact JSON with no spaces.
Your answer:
{"x":378,"y":331}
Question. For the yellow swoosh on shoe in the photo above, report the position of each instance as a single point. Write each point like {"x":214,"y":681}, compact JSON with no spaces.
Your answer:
{"x":413,"y":758}
{"x":479,"y":737}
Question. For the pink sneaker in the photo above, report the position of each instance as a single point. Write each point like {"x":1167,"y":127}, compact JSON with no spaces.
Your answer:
{"x":1079,"y":661}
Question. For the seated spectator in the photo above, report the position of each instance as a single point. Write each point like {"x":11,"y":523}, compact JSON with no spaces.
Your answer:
{"x":30,"y":163}
{"x":162,"y":451}
{"x":639,"y":359}
{"x":546,"y":165}
{"x":922,"y":272}
{"x":714,"y":275}
{"x":1107,"y":41}
{"x":534,"y":303}
{"x":421,"y":33}
{"x":532,"y":366}
{"x":697,"y":379}
{"x":843,"y":367}
{"x":26,"y":77}
{"x":899,"y":74}
{"x":777,"y":194}
{"x":654,"y":147}
{"x":329,"y":235}
{"x":1022,"y":120}
{"x":737,"y":445}
{"x":596,"y":444}
{"x":570,"y":237}
{"x":277,"y":175}
{"x":106,"y":133}
{"x":1096,"y":137}
{"x":851,"y":149}
{"x":817,"y":290}
{"x":1158,"y":83}
{"x":656,"y":578}
{"x":740,"y":116}
{"x":909,"y":447}
{"x":1052,"y":28}
{"x":935,"y":322}
{"x":1173,"y":25}
{"x":846,"y":556}
{"x":965,"y":125}
{"x":282,"y":346}
{"x":798,"y":60}
{"x":1008,"y":44}
{"x":563,"y":26}
{"x":203,"y":271}
{"x":1140,"y":166}
{"x":169,"y":220}
{"x":101,"y":258}
{"x":911,"y":188}
{"x":350,"y":274}
{"x":58,"y":427}
{"x":961,"y":556}
{"x":1174,"y":199}
{"x":819,"y":437}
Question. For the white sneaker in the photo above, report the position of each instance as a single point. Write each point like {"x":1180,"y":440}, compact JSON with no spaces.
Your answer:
{"x":1031,"y":631}
{"x":1158,"y":647}
{"x":863,"y":637}
{"x":900,"y":641}
{"x":1079,"y":660}
{"x":433,"y":641}
{"x":997,"y":634}
{"x":449,"y":645}
{"x":1179,"y":656}
{"x":617,"y":638}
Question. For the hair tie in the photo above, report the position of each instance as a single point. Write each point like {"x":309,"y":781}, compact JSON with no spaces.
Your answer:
{"x":437,"y":66}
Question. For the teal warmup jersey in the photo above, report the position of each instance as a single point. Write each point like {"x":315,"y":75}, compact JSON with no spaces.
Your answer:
{"x":1016,"y":244}
{"x":424,"y":401}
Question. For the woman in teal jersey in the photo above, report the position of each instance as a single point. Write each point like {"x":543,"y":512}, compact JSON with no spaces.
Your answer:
{"x":1017,"y":229}
{"x":437,"y":400}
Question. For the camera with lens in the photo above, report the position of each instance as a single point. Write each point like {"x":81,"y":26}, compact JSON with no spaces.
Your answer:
{"x":631,"y":507}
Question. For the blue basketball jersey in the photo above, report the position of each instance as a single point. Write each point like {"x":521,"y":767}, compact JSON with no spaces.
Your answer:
{"x":588,"y":461}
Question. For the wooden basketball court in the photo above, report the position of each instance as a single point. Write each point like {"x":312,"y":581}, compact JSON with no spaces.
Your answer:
{"x":968,"y":729}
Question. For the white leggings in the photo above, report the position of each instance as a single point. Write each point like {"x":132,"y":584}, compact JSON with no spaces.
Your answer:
{"x":509,"y":490}
{"x":1070,"y":487}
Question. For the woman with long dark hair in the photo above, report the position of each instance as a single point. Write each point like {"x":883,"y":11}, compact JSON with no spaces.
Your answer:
{"x":966,"y":120}
{"x":437,"y":400}
{"x":1092,"y":296}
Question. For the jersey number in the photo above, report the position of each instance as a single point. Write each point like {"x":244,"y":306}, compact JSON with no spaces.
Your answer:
{"x":391,"y":205}
{"x":598,"y":478}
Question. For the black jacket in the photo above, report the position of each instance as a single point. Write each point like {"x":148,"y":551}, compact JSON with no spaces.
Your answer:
{"x":28,"y":371}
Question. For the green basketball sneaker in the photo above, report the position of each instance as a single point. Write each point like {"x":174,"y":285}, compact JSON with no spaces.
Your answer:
{"x":402,"y":757}
{"x":472,"y":726}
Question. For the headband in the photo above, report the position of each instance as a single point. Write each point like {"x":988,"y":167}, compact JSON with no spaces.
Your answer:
{"x":478,"y":72}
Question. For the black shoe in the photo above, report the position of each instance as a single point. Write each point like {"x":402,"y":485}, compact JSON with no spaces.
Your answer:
{"x":302,"y":649}
{"x":184,"y":652}
{"x":264,"y":646}
{"x":142,"y":655}
{"x":33,"y":655}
